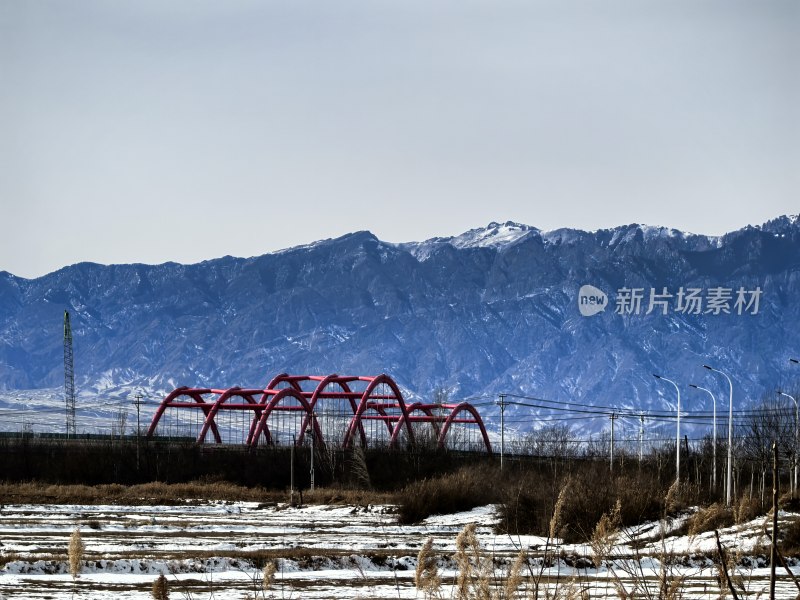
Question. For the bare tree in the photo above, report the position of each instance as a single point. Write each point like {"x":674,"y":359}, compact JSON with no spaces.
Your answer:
{"x":553,"y":441}
{"x":772,"y":421}
{"x":119,"y":421}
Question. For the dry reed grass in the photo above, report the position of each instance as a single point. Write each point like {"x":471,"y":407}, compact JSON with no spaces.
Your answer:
{"x":605,"y":535}
{"x":160,"y":590}
{"x":556,"y":521}
{"x":426,"y":576}
{"x":268,"y":574}
{"x":75,"y":553}
{"x":475,"y":568}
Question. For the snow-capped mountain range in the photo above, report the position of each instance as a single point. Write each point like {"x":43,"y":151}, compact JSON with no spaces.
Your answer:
{"x":495,"y":309}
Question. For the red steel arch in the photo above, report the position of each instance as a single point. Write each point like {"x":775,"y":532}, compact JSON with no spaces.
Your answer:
{"x":441,"y":424}
{"x":427,"y":415}
{"x":222,"y":401}
{"x":370,"y":404}
{"x":476,"y":418}
{"x":171,"y":401}
{"x":370,"y":401}
{"x":272,"y":400}
{"x":320,"y":392}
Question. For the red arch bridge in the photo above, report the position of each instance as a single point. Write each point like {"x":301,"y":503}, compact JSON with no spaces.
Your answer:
{"x":338,"y":411}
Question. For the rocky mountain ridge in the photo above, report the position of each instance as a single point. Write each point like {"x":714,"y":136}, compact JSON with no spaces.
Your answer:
{"x":493,"y":310}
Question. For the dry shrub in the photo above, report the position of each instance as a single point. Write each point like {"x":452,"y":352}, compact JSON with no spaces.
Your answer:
{"x":672,"y":500}
{"x":529,"y":509}
{"x":713,"y":517}
{"x":746,"y":510}
{"x":455,"y":492}
{"x":680,"y":496}
{"x":581,"y":503}
{"x":790,"y":534}
{"x":789,"y":502}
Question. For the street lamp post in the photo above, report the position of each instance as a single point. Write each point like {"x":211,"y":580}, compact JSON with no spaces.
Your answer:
{"x":794,"y":449}
{"x":313,"y":435}
{"x":728,"y":482}
{"x":138,"y":403}
{"x":714,"y":460}
{"x":677,"y":429}
{"x":502,"y":404}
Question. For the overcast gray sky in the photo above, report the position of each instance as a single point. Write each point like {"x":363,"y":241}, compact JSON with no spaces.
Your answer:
{"x":150,"y":131}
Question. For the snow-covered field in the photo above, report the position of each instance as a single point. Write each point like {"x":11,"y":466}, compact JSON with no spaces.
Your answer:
{"x":208,"y":550}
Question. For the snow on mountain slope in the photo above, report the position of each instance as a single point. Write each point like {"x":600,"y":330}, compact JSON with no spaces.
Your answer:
{"x":494,"y":235}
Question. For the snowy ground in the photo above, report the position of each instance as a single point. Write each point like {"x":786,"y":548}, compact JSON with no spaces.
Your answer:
{"x":207,"y":549}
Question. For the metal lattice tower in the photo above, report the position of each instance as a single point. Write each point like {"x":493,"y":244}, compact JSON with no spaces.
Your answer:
{"x":69,"y":377}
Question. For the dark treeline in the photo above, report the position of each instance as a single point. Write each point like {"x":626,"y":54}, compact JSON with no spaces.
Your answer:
{"x":99,"y":460}
{"x":104,"y":460}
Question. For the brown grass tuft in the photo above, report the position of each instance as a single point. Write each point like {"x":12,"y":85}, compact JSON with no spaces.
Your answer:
{"x":790,"y":544}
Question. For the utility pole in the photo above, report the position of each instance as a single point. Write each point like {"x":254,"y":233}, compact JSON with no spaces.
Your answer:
{"x":138,"y":403}
{"x":502,"y":428}
{"x":613,"y":416}
{"x":313,"y":435}
{"x":291,"y":471}
{"x":641,"y":437}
